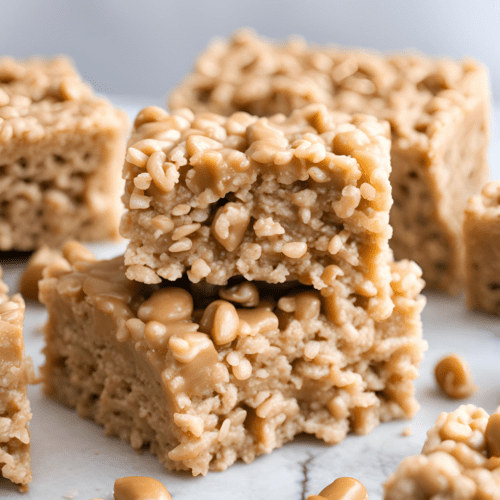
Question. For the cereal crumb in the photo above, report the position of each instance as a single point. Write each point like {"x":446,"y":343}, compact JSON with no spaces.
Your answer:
{"x":407,"y":431}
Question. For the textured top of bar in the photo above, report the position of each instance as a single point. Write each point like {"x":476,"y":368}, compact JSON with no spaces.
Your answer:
{"x":486,"y":204}
{"x":182,"y":164}
{"x":39,"y":97}
{"x":416,"y":94}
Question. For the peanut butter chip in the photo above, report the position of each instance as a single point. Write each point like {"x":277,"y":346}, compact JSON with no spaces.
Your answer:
{"x":344,"y":488}
{"x":492,"y":435}
{"x":140,"y":488}
{"x":167,"y":305}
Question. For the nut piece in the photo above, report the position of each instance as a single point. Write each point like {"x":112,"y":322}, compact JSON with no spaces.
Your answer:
{"x":221,"y":320}
{"x":454,"y":377}
{"x":492,"y":435}
{"x":229,"y":225}
{"x":73,"y":252}
{"x":343,"y":488}
{"x":167,"y":305}
{"x":245,"y":294}
{"x":140,"y":488}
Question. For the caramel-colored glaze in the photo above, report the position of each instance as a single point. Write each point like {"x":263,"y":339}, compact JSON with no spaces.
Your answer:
{"x":140,"y":488}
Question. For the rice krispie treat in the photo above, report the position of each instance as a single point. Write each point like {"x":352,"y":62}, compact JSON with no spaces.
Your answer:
{"x":482,"y":250}
{"x":437,"y":108}
{"x":460,"y":460}
{"x":275,"y":199}
{"x":61,"y":149}
{"x":205,"y":375}
{"x":15,"y":370}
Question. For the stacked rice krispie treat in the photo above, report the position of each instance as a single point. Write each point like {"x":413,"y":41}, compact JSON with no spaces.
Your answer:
{"x":437,"y":109}
{"x":15,"y":370}
{"x":258,"y":297}
{"x":61,"y":150}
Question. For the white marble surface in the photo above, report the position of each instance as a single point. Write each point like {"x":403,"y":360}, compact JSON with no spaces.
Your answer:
{"x":71,"y":457}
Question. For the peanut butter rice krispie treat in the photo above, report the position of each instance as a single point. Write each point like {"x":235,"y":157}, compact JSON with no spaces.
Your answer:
{"x":437,"y":108}
{"x":460,"y":460}
{"x":204,"y":375}
{"x":61,"y":149}
{"x":15,"y":370}
{"x":482,"y":249}
{"x":274,"y":199}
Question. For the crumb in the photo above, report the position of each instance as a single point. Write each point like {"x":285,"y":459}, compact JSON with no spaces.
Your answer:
{"x":407,"y":431}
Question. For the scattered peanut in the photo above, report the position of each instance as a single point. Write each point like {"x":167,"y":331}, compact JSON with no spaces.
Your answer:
{"x":454,"y":377}
{"x":343,"y":488}
{"x":140,"y":488}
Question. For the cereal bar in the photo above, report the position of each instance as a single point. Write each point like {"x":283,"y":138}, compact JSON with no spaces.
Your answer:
{"x":61,"y":149}
{"x":437,"y":108}
{"x":274,"y":199}
{"x":460,"y":460}
{"x":15,"y":371}
{"x":205,"y":375}
{"x":482,"y":250}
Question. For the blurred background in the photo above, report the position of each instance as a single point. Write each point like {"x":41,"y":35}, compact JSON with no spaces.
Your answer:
{"x":145,"y":47}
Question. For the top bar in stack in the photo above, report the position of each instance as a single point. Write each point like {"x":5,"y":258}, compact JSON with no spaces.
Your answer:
{"x":61,"y":150}
{"x":437,"y":108}
{"x":304,"y":198}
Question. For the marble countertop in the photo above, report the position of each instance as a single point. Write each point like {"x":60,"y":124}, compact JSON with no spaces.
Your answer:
{"x":71,"y":457}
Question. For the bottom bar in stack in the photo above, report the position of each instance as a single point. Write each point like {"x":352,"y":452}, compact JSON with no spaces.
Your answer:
{"x":204,"y":375}
{"x":15,"y":369}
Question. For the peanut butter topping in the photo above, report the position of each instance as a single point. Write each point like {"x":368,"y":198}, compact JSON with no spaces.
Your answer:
{"x":140,"y":488}
{"x":168,"y":305}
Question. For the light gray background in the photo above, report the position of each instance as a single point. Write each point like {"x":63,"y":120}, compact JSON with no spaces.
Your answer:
{"x":145,"y":47}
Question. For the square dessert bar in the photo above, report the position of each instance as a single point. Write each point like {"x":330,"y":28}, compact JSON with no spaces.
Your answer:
{"x":61,"y":149}
{"x":482,"y":249}
{"x":205,"y":375}
{"x":460,"y":460}
{"x":437,"y":108}
{"x":15,"y":370}
{"x":278,"y":199}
